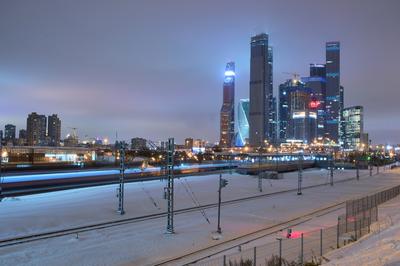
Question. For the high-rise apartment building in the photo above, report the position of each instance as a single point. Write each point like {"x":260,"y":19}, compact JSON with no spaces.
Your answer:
{"x":227,"y":115}
{"x":36,"y":129}
{"x":261,"y":97}
{"x":9,"y":133}
{"x":54,"y":130}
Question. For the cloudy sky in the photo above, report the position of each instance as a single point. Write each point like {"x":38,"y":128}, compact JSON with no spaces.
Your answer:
{"x":154,"y":69}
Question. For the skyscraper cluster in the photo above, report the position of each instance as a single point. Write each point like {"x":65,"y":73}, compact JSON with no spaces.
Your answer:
{"x":311,"y":109}
{"x":40,"y":131}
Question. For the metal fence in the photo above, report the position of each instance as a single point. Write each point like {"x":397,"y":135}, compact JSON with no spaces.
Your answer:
{"x":303,"y":247}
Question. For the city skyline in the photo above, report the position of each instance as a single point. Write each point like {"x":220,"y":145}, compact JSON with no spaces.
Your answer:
{"x":108,"y":82}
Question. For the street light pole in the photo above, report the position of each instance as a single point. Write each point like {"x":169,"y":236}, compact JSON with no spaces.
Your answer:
{"x":331,"y":166}
{"x":300,"y":173}
{"x":357,"y":168}
{"x":219,"y":205}
{"x":121,"y":178}
{"x":222,"y":183}
{"x":259,"y":170}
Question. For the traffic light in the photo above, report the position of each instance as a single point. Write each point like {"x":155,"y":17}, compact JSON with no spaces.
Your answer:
{"x":223,"y":183}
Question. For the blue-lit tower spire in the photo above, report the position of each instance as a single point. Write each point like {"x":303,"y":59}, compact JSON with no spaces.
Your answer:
{"x":227,"y":116}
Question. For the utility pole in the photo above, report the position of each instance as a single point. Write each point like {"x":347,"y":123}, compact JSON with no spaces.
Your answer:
{"x":300,"y":172}
{"x":331,"y":166}
{"x":122,"y":149}
{"x":170,"y":186}
{"x":222,"y":183}
{"x":259,"y":170}
{"x":357,"y":168}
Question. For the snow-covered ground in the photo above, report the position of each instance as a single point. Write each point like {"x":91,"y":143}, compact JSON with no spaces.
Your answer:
{"x":143,"y":243}
{"x":381,"y":247}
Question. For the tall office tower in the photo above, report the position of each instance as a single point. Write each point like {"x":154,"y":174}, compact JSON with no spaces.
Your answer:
{"x":36,"y":129}
{"x":1,"y":135}
{"x":227,"y":115}
{"x":243,"y":123}
{"x":353,"y":120}
{"x":54,"y":130}
{"x":317,"y":70}
{"x":261,"y":98}
{"x":273,"y":121}
{"x":317,"y":83}
{"x":341,"y":121}
{"x":9,"y":133}
{"x":297,"y":115}
{"x":302,"y":124}
{"x":332,"y":103}
{"x":284,"y":109}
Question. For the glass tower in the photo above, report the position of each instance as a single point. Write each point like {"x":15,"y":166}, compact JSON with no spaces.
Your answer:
{"x":243,"y":123}
{"x":353,"y":125}
{"x":332,"y":91}
{"x":227,"y":115}
{"x":261,"y":117}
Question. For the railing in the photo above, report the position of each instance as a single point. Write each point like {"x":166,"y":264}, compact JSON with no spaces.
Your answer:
{"x":311,"y":246}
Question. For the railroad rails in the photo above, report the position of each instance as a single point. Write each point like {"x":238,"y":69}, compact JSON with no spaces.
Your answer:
{"x":119,"y":222}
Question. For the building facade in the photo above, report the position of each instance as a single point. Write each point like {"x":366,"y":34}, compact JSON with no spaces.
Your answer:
{"x":332,"y":91}
{"x":353,"y":121}
{"x":36,"y":129}
{"x":284,"y":90}
{"x":227,"y":114}
{"x":261,"y":97}
{"x":54,"y":130}
{"x":189,"y":143}
{"x":138,"y":144}
{"x":243,"y":123}
{"x":297,"y":113}
{"x":9,"y":133}
{"x":317,"y":83}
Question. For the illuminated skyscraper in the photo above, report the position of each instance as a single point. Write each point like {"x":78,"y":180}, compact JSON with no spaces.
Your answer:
{"x":317,"y":83}
{"x":332,"y":91}
{"x":297,"y":112}
{"x":261,"y":114}
{"x":243,"y":123}
{"x":353,"y":128}
{"x":227,"y":116}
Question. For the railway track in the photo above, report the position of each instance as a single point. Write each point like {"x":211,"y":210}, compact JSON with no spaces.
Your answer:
{"x":210,"y":251}
{"x":108,"y":224}
{"x":37,"y":190}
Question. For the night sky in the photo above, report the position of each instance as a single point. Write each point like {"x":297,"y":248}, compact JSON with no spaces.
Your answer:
{"x":154,"y":69}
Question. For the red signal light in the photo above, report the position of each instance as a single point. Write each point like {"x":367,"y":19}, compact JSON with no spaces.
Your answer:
{"x":314,"y":104}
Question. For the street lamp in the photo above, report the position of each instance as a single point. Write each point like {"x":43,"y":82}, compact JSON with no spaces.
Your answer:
{"x":300,"y":173}
{"x":222,"y":183}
